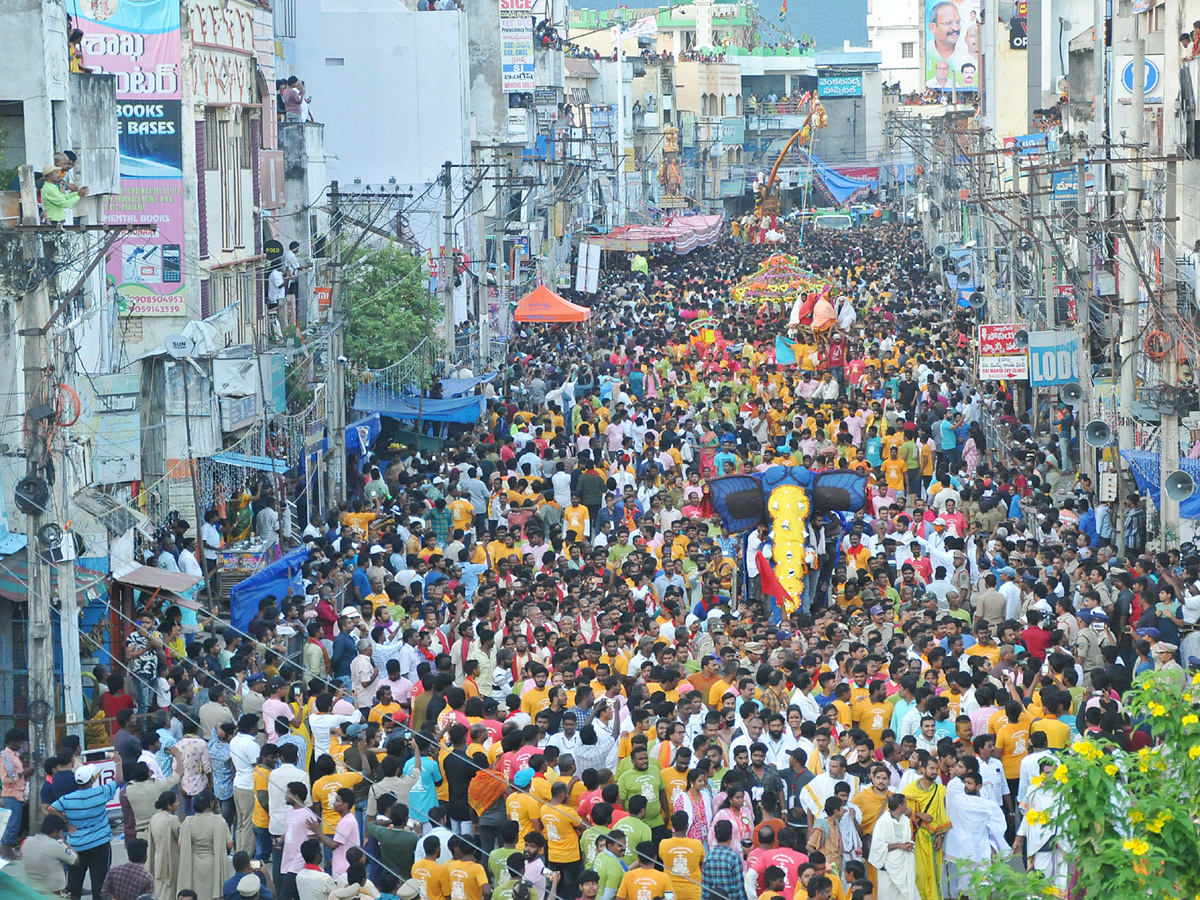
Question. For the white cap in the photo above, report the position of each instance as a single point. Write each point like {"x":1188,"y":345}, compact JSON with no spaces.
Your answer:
{"x":376,"y":548}
{"x":85,"y":773}
{"x":351,"y":611}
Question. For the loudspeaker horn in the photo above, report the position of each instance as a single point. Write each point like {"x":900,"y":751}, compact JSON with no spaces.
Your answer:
{"x":964,"y":278}
{"x":1098,"y":433}
{"x":975,"y":300}
{"x":1071,"y":392}
{"x":941,"y":251}
{"x":1021,"y":339}
{"x":1179,"y":486}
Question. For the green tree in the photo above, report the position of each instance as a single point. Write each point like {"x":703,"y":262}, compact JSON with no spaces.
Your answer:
{"x":1128,"y":820}
{"x":387,"y":304}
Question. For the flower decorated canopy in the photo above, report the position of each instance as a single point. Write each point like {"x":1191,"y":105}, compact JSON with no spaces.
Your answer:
{"x":779,"y":278}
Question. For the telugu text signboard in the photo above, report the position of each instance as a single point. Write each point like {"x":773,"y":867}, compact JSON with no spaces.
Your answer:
{"x":1000,"y":359}
{"x":516,"y":45}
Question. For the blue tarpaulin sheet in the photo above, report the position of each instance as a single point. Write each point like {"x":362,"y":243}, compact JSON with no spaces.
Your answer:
{"x":361,"y":435}
{"x":459,"y":387}
{"x":375,"y":399}
{"x":270,"y":581}
{"x":840,"y":187}
{"x":245,"y":461}
{"x":1145,"y":465}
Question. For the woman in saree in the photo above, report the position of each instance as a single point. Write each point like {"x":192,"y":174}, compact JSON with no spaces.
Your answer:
{"x":204,"y":845}
{"x":163,"y":853}
{"x":243,"y":514}
{"x":696,"y":801}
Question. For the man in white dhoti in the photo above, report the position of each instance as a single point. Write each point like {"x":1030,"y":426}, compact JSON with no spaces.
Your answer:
{"x":1044,"y":847}
{"x":977,"y":828}
{"x":816,"y":792}
{"x":892,"y":852}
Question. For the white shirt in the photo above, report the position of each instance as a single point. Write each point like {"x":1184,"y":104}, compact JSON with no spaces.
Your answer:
{"x":275,"y":288}
{"x":322,"y":723}
{"x":995,"y":785}
{"x":778,"y":752}
{"x":211,"y":539}
{"x":188,"y":564}
{"x":809,"y":708}
{"x":277,"y":784}
{"x":410,"y":657}
{"x":243,"y":751}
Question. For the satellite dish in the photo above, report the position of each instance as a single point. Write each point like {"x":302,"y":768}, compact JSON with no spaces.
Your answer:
{"x":1179,"y":486}
{"x":976,"y":300}
{"x":1021,"y":339}
{"x":1098,"y":433}
{"x":964,"y":278}
{"x":178,"y":346}
{"x":941,"y":251}
{"x":1071,"y":392}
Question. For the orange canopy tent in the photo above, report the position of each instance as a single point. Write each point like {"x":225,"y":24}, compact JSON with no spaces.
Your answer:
{"x":543,"y":305}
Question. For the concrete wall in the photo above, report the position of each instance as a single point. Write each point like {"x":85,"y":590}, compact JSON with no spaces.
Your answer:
{"x":380,"y":75}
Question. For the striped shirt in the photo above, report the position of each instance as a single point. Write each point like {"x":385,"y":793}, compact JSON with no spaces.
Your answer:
{"x":86,"y":810}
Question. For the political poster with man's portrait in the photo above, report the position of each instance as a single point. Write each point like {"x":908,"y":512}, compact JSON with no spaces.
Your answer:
{"x":952,"y":45}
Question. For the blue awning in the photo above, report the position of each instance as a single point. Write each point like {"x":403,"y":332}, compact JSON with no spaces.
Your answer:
{"x":1145,"y":468}
{"x":361,"y":435}
{"x":246,"y":461}
{"x":372,"y":398}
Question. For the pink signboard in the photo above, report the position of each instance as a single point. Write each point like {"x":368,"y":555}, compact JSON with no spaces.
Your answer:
{"x":138,"y":41}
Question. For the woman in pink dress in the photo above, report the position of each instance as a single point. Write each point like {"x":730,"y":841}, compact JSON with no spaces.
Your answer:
{"x":736,"y":810}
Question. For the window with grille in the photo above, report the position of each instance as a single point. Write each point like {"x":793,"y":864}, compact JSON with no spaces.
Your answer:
{"x":907,"y":50}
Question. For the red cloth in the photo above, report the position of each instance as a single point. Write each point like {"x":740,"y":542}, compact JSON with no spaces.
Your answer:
{"x":770,"y":583}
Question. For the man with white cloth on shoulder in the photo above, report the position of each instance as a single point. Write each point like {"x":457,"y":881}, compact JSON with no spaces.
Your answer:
{"x":977,"y":828}
{"x":1045,"y":848}
{"x":816,"y":792}
{"x":893,"y":851}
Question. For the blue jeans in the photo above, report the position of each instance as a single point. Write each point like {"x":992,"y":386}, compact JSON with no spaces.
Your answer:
{"x":262,"y":844}
{"x":143,"y":691}
{"x":13,"y":827}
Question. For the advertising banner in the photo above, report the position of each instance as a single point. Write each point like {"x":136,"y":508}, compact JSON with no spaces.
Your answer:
{"x":139,"y":43}
{"x":516,"y":45}
{"x":952,"y":45}
{"x":839,"y":86}
{"x":1052,"y":358}
{"x":1000,"y":359}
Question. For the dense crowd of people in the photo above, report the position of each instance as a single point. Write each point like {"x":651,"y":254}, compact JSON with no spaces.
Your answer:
{"x":534,"y":665}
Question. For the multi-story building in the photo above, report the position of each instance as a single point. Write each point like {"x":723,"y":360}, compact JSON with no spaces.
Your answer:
{"x":896,"y":30}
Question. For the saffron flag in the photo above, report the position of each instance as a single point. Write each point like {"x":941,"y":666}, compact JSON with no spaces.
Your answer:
{"x":785,"y":353}
{"x":783,"y":11}
{"x":770,"y":582}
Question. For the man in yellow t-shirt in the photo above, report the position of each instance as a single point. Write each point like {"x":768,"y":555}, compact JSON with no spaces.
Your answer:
{"x":465,"y":878}
{"x":435,"y":883}
{"x":577,"y":520}
{"x":537,"y":698}
{"x":1012,"y":742}
{"x":875,"y":715}
{"x":644,"y":882}
{"x":562,"y":827}
{"x":462,"y":511}
{"x":894,"y":470}
{"x":522,"y":808}
{"x":681,"y":858}
{"x":324,"y":792}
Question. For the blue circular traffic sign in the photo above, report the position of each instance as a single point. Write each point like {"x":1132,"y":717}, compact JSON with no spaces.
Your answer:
{"x":1152,"y":76}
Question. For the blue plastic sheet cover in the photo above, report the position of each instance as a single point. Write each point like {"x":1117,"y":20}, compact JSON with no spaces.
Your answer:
{"x":270,"y":581}
{"x":361,"y":435}
{"x":385,"y":401}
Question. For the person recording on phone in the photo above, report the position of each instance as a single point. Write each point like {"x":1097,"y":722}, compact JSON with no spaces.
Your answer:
{"x":391,"y":781}
{"x":245,"y":868}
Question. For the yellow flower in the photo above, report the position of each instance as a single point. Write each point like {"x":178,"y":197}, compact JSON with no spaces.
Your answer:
{"x":1166,"y":815}
{"x":1190,"y":719}
{"x":1031,"y":817}
{"x":1083,"y":748}
{"x":1136,"y":847}
{"x":1110,"y":770}
{"x":1196,"y":680}
{"x":1060,"y":774}
{"x":1157,"y":709}
{"x":1136,"y":816}
{"x":1194,"y":752}
{"x":1044,"y":818}
{"x":1187,"y":696}
{"x":1036,"y":780}
{"x":1155,"y":826}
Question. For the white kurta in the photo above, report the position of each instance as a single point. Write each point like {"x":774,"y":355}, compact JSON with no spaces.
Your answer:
{"x":897,"y":868}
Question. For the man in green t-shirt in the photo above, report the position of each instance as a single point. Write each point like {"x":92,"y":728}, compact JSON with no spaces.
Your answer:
{"x":634,"y":828}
